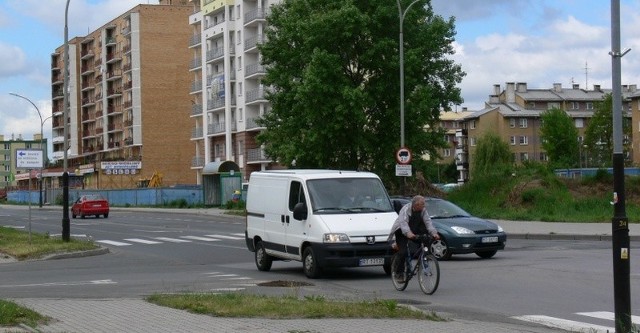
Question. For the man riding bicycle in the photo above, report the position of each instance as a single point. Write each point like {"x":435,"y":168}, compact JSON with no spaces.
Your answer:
{"x":413,"y":219}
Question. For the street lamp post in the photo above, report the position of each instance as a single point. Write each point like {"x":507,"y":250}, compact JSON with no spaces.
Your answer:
{"x":401,"y":15}
{"x":66,"y":223}
{"x":41,"y":138}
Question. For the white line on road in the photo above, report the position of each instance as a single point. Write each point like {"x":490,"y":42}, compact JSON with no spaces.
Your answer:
{"x":112,"y":242}
{"x":225,"y":237}
{"x":200,"y":238}
{"x":143,"y":241}
{"x":567,"y":325}
{"x":77,"y":283}
{"x":173,"y":240}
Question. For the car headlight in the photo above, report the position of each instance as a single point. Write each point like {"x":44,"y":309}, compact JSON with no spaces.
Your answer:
{"x":500,"y":229}
{"x":336,"y":238}
{"x":461,"y":230}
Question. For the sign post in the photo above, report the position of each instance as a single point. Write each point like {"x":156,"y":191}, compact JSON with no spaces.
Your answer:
{"x":29,"y":159}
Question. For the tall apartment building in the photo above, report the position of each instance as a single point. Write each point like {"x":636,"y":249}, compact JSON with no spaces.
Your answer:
{"x":226,"y":91}
{"x":128,"y":91}
{"x":514,"y":114}
{"x":9,"y":174}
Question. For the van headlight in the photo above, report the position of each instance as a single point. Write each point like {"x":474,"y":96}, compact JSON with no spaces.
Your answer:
{"x":336,"y":238}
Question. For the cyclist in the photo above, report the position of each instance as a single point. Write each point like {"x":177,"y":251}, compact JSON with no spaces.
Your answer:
{"x":413,"y":219}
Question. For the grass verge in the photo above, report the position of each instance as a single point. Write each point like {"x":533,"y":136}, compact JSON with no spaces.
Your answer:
{"x":21,"y":246}
{"x":285,"y":307}
{"x":12,"y":314}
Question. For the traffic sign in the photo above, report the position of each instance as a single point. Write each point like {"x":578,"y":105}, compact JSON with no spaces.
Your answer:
{"x":403,"y":156}
{"x":29,"y":159}
{"x":403,"y":170}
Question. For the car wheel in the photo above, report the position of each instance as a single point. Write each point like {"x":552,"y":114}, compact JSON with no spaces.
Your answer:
{"x":486,"y":254}
{"x":106,"y":215}
{"x":440,"y":249}
{"x":310,"y":264}
{"x":263,"y":260}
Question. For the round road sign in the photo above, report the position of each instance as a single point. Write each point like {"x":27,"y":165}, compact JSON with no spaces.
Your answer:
{"x":403,"y":156}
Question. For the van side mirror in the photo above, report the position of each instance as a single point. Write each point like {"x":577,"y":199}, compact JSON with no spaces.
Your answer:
{"x":300,"y":211}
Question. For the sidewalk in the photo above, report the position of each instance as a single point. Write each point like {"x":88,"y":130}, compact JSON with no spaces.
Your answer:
{"x":136,"y":315}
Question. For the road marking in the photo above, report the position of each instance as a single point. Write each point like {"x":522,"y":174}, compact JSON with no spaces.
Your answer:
{"x":77,"y":283}
{"x":112,"y":242}
{"x":225,"y":237}
{"x":241,"y":234}
{"x":200,"y":238}
{"x":143,"y":241}
{"x":607,"y":315}
{"x":564,"y":324}
{"x":173,"y":240}
{"x":14,"y":226}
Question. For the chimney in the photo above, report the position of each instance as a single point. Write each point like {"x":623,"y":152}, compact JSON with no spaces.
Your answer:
{"x":557,"y":87}
{"x":596,"y":87}
{"x":496,"y":89}
{"x":624,"y":88}
{"x":510,"y":92}
{"x":633,"y":88}
{"x":522,"y":87}
{"x":576,"y":86}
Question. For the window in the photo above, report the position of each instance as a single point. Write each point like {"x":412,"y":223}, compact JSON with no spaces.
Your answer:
{"x":240,"y":89}
{"x":239,"y":62}
{"x":238,"y":11}
{"x":446,"y":152}
{"x":523,"y":122}
{"x":524,"y":157}
{"x":472,"y":124}
{"x":553,"y":105}
{"x":575,"y":106}
{"x":524,"y":140}
{"x":296,"y":194}
{"x":532,"y":105}
{"x":512,"y":139}
{"x":589,"y":105}
{"x":472,"y":141}
{"x":512,"y":122}
{"x":239,"y":33}
{"x":239,"y":117}
{"x":579,"y":122}
{"x":543,"y":156}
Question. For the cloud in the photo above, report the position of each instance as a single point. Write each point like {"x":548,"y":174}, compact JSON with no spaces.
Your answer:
{"x":12,"y":60}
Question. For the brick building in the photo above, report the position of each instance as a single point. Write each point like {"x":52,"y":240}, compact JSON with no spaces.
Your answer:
{"x":128,"y":95}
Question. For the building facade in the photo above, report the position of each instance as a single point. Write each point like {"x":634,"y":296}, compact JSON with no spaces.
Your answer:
{"x":226,"y":90}
{"x":9,"y":173}
{"x":128,"y":91}
{"x":513,"y":113}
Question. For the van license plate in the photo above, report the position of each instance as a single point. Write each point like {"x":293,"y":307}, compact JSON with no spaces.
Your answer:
{"x":490,"y":239}
{"x":372,"y":262}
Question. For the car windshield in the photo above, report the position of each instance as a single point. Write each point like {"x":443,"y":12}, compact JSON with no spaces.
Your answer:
{"x":444,"y":209}
{"x":93,"y":197}
{"x":348,"y":195}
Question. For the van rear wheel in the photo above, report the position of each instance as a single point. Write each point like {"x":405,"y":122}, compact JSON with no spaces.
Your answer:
{"x":310,"y":264}
{"x":263,"y":260}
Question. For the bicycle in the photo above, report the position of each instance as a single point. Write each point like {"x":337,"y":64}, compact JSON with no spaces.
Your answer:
{"x":419,"y":262}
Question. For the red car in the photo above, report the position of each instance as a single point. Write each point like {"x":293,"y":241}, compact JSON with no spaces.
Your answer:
{"x":90,"y":204}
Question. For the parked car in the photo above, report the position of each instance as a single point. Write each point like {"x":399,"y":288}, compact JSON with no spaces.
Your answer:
{"x":90,"y":204}
{"x":460,"y":232}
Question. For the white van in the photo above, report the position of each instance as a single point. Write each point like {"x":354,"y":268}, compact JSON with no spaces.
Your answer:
{"x":324,"y":218}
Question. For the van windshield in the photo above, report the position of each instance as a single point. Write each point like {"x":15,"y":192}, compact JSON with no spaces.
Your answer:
{"x":348,"y":195}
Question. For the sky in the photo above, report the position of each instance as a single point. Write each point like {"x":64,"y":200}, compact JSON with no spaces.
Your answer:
{"x":540,"y":42}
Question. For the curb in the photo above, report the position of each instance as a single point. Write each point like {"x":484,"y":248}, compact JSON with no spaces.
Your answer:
{"x":566,"y":237}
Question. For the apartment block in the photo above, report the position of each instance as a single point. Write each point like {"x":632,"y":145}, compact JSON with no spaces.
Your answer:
{"x":9,"y":174}
{"x":226,"y":90}
{"x":514,"y":113}
{"x":129,"y":87}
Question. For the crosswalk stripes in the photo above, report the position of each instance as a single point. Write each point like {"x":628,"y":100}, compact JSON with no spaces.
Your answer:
{"x":178,"y":239}
{"x":576,"y":326}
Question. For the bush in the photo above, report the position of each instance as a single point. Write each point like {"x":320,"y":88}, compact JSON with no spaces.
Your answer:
{"x":235,"y":205}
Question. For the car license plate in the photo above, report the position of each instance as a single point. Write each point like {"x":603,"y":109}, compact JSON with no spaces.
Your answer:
{"x":493,"y":239}
{"x":97,"y":205}
{"x":372,"y":262}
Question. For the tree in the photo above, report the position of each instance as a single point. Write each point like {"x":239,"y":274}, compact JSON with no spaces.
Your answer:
{"x":333,"y":78}
{"x":560,"y":139}
{"x":599,"y":134}
{"x":492,"y":155}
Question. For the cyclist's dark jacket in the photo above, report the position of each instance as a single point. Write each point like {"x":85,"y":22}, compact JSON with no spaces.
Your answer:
{"x":404,"y":219}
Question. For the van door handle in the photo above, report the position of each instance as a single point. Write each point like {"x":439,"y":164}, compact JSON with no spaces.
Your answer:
{"x":287,"y":219}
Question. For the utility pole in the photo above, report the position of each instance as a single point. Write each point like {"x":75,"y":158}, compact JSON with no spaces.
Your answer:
{"x":619,"y":222}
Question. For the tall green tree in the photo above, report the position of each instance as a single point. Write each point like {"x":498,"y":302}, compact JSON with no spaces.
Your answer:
{"x":333,"y":78}
{"x":492,"y":155}
{"x":560,"y":138}
{"x":599,"y":134}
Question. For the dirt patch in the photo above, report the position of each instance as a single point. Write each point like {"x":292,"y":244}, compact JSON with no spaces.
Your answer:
{"x":289,"y":284}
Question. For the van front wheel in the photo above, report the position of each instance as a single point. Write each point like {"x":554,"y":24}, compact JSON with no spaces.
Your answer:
{"x":263,"y":260}
{"x":310,"y":264}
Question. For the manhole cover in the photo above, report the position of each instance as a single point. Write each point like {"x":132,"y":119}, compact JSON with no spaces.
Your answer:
{"x":281,"y":283}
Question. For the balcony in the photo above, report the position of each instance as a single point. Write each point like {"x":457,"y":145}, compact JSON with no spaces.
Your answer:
{"x":251,"y":123}
{"x":197,"y":162}
{"x":252,"y":43}
{"x":254,"y":70}
{"x":255,"y":16}
{"x":113,"y":57}
{"x":257,"y":155}
{"x":196,"y":109}
{"x":128,"y":141}
{"x":214,"y":54}
{"x":114,"y":92}
{"x":127,"y":104}
{"x":86,"y":70}
{"x":256,"y":95}
{"x":196,"y":133}
{"x":89,"y":85}
{"x":88,"y":101}
{"x":126,"y":49}
{"x":196,"y":86}
{"x":114,"y":109}
{"x":57,"y":94}
{"x":110,"y":41}
{"x":86,"y":54}
{"x":195,"y":63}
{"x":195,"y":40}
{"x":114,"y":75}
{"x":126,"y":68}
{"x":57,"y":79}
{"x":128,"y":85}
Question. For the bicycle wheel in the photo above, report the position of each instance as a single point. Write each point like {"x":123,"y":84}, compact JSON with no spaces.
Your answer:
{"x":398,"y":272}
{"x":429,"y":274}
